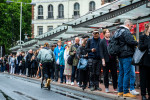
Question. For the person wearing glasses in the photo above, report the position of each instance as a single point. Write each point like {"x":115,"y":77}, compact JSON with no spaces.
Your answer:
{"x":94,"y":60}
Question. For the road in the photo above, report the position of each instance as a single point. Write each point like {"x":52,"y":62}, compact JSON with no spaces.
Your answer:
{"x":18,"y":88}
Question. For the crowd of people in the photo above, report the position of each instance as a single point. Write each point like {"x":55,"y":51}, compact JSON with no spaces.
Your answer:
{"x":83,"y":62}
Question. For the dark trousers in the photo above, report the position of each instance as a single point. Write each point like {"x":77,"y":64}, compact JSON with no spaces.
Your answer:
{"x":74,"y":71}
{"x":52,"y":70}
{"x":83,"y":77}
{"x":94,"y":73}
{"x":33,"y":72}
{"x":62,"y":77}
{"x":56,"y":71}
{"x":113,"y":68}
{"x":16,"y":69}
{"x":46,"y":70}
{"x":145,"y":79}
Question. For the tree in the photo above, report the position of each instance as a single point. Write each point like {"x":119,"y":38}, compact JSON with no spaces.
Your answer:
{"x":10,"y":22}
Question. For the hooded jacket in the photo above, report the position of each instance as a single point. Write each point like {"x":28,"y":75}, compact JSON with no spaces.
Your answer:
{"x":61,"y":56}
{"x":126,"y":42}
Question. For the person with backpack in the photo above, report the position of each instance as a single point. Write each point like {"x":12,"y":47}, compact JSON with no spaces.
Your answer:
{"x":94,"y":60}
{"x":108,"y":62}
{"x":144,"y":45}
{"x":73,"y":52}
{"x":57,"y":51}
{"x":126,"y":44}
{"x":46,"y":57}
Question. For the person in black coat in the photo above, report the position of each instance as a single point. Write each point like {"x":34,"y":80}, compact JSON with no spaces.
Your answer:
{"x":144,"y":44}
{"x":28,"y":61}
{"x":108,"y":62}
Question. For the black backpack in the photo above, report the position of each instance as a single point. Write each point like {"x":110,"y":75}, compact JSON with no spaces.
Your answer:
{"x":70,"y":60}
{"x":114,"y":47}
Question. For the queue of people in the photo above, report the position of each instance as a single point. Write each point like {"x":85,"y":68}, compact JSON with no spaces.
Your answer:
{"x":83,"y":62}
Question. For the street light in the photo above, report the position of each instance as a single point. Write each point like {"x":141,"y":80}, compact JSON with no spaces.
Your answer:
{"x":20,"y":15}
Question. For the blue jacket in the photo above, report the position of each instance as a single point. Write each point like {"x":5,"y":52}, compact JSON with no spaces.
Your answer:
{"x":61,"y":56}
{"x":56,"y":51}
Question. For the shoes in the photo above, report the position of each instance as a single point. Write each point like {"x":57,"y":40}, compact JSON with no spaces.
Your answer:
{"x":98,"y":88}
{"x":67,"y":82}
{"x":144,"y":98}
{"x":46,"y":85}
{"x":129,"y":95}
{"x":92,"y":88}
{"x":61,"y":82}
{"x":107,"y":90}
{"x":83,"y":88}
{"x":48,"y":82}
{"x":133,"y":92}
{"x":72,"y":83}
{"x":120,"y":93}
{"x":115,"y":90}
{"x":78,"y":83}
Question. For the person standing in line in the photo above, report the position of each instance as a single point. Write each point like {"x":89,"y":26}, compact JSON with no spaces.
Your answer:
{"x":144,"y":44}
{"x":28,"y":60}
{"x":72,"y":52}
{"x":68,"y":68}
{"x":94,"y":60}
{"x":12,"y":63}
{"x":127,"y":46}
{"x":57,"y":51}
{"x":108,"y":62}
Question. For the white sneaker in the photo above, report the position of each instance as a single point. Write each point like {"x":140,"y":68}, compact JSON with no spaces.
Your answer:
{"x":78,"y":83}
{"x":67,"y":83}
{"x":72,"y":83}
{"x":106,"y":90}
{"x":133,"y":92}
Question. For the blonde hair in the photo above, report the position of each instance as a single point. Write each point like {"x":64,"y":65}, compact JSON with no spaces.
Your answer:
{"x":147,"y":25}
{"x":46,"y":45}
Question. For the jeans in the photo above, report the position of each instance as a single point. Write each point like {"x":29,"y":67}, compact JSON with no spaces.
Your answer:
{"x":61,"y":73}
{"x":73,"y":73}
{"x":124,"y":74}
{"x":132,"y":78}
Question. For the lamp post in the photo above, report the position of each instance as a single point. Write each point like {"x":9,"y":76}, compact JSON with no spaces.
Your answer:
{"x":20,"y":17}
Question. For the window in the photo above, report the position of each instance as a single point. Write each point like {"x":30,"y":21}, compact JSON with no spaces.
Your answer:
{"x":76,"y":9}
{"x":40,"y":30}
{"x":49,"y":28}
{"x":50,"y":11}
{"x":92,"y":6}
{"x":40,"y":12}
{"x":60,"y":11}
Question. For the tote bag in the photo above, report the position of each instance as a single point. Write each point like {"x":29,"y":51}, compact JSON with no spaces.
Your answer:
{"x":137,"y":57}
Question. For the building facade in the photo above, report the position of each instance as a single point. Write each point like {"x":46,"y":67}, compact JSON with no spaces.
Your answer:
{"x":49,"y":14}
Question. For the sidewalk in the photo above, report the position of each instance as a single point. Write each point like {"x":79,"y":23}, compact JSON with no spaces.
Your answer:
{"x":111,"y":95}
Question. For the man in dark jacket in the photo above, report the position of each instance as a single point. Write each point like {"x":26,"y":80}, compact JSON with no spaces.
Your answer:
{"x":94,"y":60}
{"x":28,"y":61}
{"x":127,"y":47}
{"x":20,"y":57}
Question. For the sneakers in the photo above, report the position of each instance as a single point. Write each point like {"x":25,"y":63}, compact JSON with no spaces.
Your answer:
{"x":72,"y":83}
{"x":98,"y":88}
{"x":120,"y":93}
{"x":106,"y":90}
{"x":67,"y":82}
{"x":133,"y":92}
{"x":129,"y":95}
{"x":115,"y":91}
{"x":92,"y":88}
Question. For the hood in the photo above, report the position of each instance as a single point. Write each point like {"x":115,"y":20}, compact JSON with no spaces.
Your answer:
{"x":65,"y":45}
{"x":45,"y":48}
{"x":119,"y":31}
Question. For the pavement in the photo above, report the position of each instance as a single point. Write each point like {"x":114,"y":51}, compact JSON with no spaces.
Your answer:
{"x":78,"y":92}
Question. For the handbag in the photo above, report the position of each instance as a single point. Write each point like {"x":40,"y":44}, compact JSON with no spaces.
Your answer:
{"x":137,"y":57}
{"x":82,"y":64}
{"x":70,"y":60}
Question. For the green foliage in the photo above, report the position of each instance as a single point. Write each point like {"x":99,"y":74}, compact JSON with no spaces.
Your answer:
{"x":10,"y":22}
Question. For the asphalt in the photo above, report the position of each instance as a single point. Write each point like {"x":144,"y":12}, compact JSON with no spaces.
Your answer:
{"x":14,"y":87}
